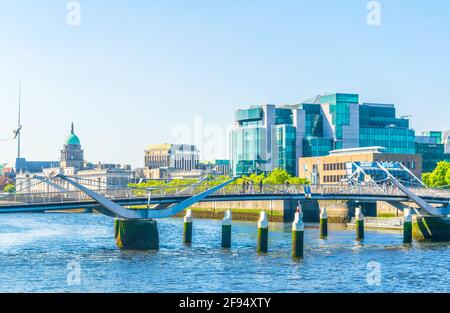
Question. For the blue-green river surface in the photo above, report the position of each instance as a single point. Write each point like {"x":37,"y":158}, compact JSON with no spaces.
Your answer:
{"x":77,"y":253}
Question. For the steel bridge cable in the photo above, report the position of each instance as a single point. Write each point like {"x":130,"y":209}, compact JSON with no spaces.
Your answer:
{"x":20,"y":190}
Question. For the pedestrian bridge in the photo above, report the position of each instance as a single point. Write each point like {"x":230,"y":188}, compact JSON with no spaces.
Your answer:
{"x":161,"y":202}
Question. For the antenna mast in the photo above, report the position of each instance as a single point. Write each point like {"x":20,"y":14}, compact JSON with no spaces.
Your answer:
{"x":17,"y":131}
{"x":19,"y":126}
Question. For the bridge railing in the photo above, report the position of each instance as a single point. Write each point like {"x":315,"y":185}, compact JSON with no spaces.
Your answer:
{"x":437,"y":193}
{"x":127,"y":193}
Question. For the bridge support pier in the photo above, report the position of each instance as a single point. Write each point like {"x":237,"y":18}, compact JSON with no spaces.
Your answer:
{"x":359,"y":223}
{"x":263,"y":233}
{"x":323,"y":224}
{"x":407,"y":226}
{"x":187,"y":232}
{"x":136,"y":234}
{"x":298,"y":236}
{"x":432,"y":228}
{"x":226,"y":230}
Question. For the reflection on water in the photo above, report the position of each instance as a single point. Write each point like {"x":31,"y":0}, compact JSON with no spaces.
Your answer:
{"x":35,"y":250}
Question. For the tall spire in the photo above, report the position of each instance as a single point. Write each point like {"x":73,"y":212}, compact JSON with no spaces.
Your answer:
{"x":72,"y":130}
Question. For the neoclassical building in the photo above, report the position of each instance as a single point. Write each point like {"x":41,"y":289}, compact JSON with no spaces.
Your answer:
{"x":72,"y":155}
{"x":72,"y":163}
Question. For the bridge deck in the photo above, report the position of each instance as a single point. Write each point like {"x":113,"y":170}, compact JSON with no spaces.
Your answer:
{"x":128,"y":197}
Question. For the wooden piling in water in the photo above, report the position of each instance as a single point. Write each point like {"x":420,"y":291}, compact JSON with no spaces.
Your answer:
{"x":298,"y":236}
{"x":226,"y":230}
{"x":263,"y":233}
{"x":359,"y":223}
{"x":187,"y":231}
{"x":323,"y":224}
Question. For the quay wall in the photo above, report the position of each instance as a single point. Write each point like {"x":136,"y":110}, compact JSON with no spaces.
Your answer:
{"x":284,"y":210}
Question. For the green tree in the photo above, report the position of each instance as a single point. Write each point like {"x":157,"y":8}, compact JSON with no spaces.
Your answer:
{"x":438,"y":177}
{"x":447,"y":178}
{"x":298,"y":181}
{"x":10,"y":188}
{"x":279,"y":176}
{"x":257,"y":178}
{"x":426,"y":179}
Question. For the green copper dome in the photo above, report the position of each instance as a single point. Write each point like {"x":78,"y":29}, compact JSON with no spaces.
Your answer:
{"x":72,"y":139}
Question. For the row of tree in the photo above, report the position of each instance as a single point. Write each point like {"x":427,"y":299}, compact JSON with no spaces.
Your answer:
{"x":440,"y":177}
{"x":277,"y":177}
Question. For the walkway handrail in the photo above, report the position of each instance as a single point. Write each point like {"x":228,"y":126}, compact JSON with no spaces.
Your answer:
{"x":119,"y":211}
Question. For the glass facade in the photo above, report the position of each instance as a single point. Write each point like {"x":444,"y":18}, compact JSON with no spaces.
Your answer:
{"x":431,"y":146}
{"x":283,"y":117}
{"x":380,"y":115}
{"x":313,"y":119}
{"x":259,"y":148}
{"x":286,"y":140}
{"x":267,"y":137}
{"x":432,"y":154}
{"x":379,"y":126}
{"x":396,"y":140}
{"x":314,"y":146}
{"x":340,"y":113}
{"x":249,"y":115}
{"x":248,"y":150}
{"x":435,"y":136}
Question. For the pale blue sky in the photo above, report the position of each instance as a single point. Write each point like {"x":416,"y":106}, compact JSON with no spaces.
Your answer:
{"x":134,"y":69}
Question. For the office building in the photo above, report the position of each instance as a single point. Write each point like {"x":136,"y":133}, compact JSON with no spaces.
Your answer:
{"x":268,"y":136}
{"x":432,"y":145}
{"x":336,"y":167}
{"x":179,"y":157}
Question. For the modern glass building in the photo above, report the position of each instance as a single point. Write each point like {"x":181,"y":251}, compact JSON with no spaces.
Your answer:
{"x":432,"y":148}
{"x":314,"y":142}
{"x":342,"y":112}
{"x":379,"y":126}
{"x":266,"y":137}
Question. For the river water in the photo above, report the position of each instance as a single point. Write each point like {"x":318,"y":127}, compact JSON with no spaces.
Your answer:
{"x":77,"y":253}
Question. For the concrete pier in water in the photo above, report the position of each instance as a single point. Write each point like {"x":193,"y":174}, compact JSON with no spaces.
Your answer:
{"x":432,"y":228}
{"x":136,"y":234}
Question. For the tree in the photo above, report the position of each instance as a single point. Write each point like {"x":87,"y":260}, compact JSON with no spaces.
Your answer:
{"x":447,"y":178}
{"x":257,"y":178}
{"x":4,"y":181}
{"x":279,"y":176}
{"x":439,"y":174}
{"x":10,"y":188}
{"x":298,"y":181}
{"x":426,"y":178}
{"x":440,"y":177}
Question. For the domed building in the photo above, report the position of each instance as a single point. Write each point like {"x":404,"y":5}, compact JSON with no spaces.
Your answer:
{"x":72,"y":155}
{"x":99,"y":176}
